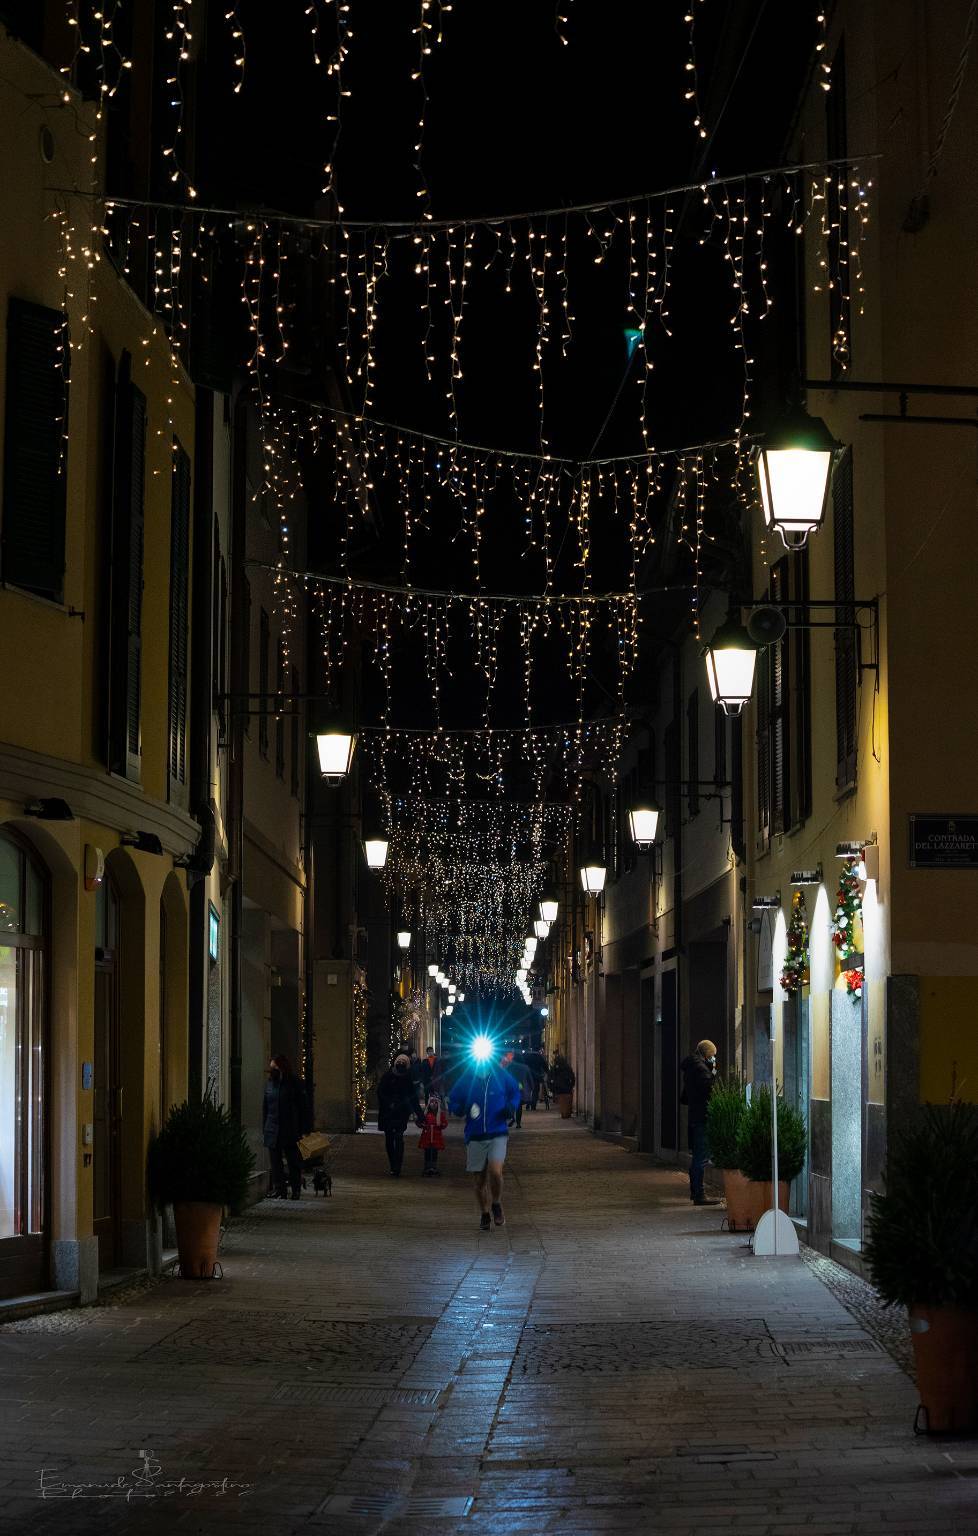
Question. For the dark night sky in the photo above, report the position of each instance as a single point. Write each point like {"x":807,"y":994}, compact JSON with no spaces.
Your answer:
{"x":515,"y":120}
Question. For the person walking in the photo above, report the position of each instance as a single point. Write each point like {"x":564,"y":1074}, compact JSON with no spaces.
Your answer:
{"x":397,"y":1103}
{"x":516,"y":1066}
{"x":284,"y":1119}
{"x":537,"y":1064}
{"x":699,"y":1073}
{"x":430,"y":1072}
{"x":433,"y":1134}
{"x":488,"y":1096}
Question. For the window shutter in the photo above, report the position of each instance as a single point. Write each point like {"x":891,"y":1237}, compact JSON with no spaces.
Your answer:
{"x":264,"y":642}
{"x":846,"y":670}
{"x":296,"y":735}
{"x":128,"y":492}
{"x":764,"y":748}
{"x":801,"y":695}
{"x":693,"y":751}
{"x":34,"y":474}
{"x":279,"y":706}
{"x":780,"y":720}
{"x":179,"y":614}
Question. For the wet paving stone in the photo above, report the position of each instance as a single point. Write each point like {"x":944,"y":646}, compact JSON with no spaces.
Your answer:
{"x":609,"y":1361}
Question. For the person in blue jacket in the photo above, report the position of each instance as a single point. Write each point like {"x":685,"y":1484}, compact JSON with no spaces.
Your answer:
{"x":488,"y":1097}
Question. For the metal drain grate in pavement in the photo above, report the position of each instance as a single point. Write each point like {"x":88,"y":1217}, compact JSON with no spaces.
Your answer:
{"x":367,"y":1506}
{"x":825,"y":1349}
{"x":364,"y":1397}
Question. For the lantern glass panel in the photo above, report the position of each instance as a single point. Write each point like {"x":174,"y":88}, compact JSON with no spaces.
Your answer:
{"x":376,"y":850}
{"x":794,"y":484}
{"x":335,"y":753}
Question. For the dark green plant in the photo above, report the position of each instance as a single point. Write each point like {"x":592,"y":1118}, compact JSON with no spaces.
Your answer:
{"x":922,"y":1246}
{"x":754,"y":1139}
{"x":725,"y":1109}
{"x":200,"y":1154}
{"x":562,"y":1077}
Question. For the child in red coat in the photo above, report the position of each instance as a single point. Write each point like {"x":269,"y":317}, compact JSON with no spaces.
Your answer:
{"x":432,"y":1133}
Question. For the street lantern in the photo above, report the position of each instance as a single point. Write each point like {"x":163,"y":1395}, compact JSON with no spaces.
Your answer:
{"x":375,"y":849}
{"x":447,"y":1009}
{"x":794,"y":471}
{"x":530,"y":944}
{"x":730,"y":658}
{"x":403,"y":939}
{"x":642,"y":823}
{"x":548,"y":908}
{"x":521,"y":974}
{"x":541,"y":927}
{"x":593,"y":878}
{"x":433,"y":970}
{"x":335,"y":747}
{"x":460,"y":997}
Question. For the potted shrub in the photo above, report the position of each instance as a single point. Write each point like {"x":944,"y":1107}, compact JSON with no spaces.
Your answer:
{"x":562,"y":1082}
{"x":754,"y":1150}
{"x":725,"y":1110}
{"x":922,"y":1251}
{"x":200,"y":1164}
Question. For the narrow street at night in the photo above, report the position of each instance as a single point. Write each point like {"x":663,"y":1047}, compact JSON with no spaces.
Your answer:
{"x":488,"y":767}
{"x":609,"y":1360}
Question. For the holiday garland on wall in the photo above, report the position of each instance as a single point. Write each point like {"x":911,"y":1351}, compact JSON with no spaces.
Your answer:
{"x":360,"y":999}
{"x":794,"y":972}
{"x":846,"y":935}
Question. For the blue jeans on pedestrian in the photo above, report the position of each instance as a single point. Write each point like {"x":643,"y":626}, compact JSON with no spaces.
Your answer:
{"x":697,"y":1160}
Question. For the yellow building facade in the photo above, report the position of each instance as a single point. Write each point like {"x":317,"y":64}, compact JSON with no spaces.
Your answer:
{"x":872,"y":717}
{"x":95,"y":551}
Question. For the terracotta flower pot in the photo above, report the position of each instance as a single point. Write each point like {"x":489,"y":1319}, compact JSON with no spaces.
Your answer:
{"x":564,"y":1102}
{"x":945,"y":1351}
{"x":739,"y":1193}
{"x":760,"y":1195}
{"x":198,"y":1225}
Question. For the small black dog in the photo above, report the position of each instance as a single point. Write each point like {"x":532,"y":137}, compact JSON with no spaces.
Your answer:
{"x":322,"y":1183}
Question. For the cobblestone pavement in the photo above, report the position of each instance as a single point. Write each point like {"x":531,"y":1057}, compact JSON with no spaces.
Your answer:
{"x":609,"y":1361}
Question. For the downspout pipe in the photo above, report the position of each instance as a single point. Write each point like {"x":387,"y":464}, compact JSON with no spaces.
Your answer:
{"x":201,"y":861}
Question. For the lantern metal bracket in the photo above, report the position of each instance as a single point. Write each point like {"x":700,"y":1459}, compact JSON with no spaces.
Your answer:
{"x":851,"y":609}
{"x":903,"y":392}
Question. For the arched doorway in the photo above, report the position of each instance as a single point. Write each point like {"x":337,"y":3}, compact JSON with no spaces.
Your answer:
{"x":23,"y":1070}
{"x":107,"y":1146}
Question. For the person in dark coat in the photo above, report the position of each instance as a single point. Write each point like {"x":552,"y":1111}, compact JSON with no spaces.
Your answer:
{"x":431,"y":1072}
{"x":537,"y":1064}
{"x":517,"y":1067}
{"x":699,"y":1072}
{"x":397,"y":1103}
{"x":284,"y":1119}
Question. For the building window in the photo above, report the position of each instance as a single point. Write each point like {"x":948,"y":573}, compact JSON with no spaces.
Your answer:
{"x":34,"y":467}
{"x":693,"y":752}
{"x":763,"y":739}
{"x":126,"y":618}
{"x":846,"y":658}
{"x":296,"y":735}
{"x":801,"y":692}
{"x":23,"y":906}
{"x":673,"y":773}
{"x":179,"y":614}
{"x":264,"y":643}
{"x":279,"y":706}
{"x":837,"y":215}
{"x":219,"y":643}
{"x":779,"y":716}
{"x":243,"y":663}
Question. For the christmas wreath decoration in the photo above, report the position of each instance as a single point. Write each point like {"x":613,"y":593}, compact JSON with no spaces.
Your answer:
{"x":794,"y":972}
{"x":854,"y":982}
{"x":848,"y":907}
